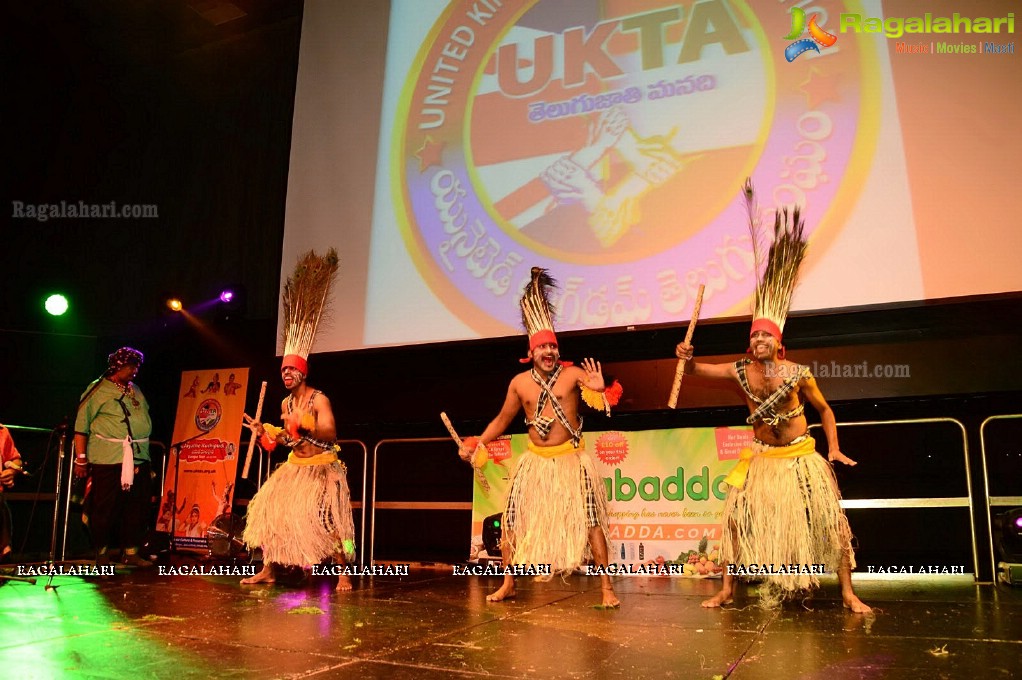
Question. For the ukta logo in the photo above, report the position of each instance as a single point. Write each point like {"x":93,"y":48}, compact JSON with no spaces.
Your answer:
{"x":606,"y":144}
{"x":818,"y":36}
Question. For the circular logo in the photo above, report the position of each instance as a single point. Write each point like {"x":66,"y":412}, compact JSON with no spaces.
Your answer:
{"x":610,"y":144}
{"x":612,"y":448}
{"x":208,"y":414}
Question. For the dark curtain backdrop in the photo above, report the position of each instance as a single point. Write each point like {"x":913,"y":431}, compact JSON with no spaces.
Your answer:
{"x":142,"y":102}
{"x":149,"y":103}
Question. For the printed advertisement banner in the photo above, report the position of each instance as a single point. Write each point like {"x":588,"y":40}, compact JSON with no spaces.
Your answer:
{"x":665,"y":492}
{"x":207,"y":433}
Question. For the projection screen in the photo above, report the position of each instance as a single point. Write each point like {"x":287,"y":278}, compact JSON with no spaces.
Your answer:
{"x":608,"y":141}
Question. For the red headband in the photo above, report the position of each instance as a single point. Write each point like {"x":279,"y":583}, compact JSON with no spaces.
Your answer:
{"x":297,"y":362}
{"x":542,"y":337}
{"x":766,"y":325}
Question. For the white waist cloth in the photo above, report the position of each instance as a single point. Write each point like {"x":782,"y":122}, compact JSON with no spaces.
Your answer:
{"x":127,"y":458}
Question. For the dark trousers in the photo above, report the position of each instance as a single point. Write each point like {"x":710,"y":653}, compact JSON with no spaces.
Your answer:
{"x":110,"y":509}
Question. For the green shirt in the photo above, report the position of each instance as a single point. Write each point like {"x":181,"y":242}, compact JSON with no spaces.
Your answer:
{"x":102,"y":419}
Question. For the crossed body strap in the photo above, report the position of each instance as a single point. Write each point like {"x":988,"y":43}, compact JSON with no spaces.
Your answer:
{"x":544,"y":424}
{"x":766,"y":410}
{"x":318,"y":443}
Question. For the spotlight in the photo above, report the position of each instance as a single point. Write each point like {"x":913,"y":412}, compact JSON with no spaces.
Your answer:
{"x":56,"y":304}
{"x":231,"y":302}
{"x":174,"y":305}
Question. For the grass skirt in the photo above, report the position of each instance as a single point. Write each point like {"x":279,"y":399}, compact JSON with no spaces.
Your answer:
{"x":302,"y":515}
{"x":546,"y":519}
{"x":788,"y":513}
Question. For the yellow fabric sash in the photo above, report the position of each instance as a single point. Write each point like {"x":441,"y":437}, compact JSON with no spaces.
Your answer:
{"x":559,"y":450}
{"x":736,"y":477}
{"x":324,"y":458}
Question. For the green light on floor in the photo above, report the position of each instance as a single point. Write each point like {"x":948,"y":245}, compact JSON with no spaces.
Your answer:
{"x":56,"y":304}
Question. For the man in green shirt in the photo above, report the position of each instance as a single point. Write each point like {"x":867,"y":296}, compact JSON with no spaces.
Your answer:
{"x":112,"y":430}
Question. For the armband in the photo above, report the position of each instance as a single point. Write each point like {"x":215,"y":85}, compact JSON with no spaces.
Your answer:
{"x":480,"y":453}
{"x":268,"y":440}
{"x":602,"y":401}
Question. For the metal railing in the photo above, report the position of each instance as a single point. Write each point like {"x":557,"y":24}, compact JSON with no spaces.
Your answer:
{"x":994,"y":501}
{"x":360,"y":504}
{"x":967,"y":501}
{"x":404,"y":505}
{"x":939,"y":502}
{"x":263,"y":472}
{"x":66,"y":491}
{"x":27,"y":496}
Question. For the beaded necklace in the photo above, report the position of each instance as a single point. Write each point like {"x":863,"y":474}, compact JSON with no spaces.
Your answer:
{"x":128,"y":391}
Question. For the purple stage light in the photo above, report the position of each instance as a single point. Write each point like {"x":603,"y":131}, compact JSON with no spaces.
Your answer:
{"x":1018,"y":522}
{"x":226,"y":296}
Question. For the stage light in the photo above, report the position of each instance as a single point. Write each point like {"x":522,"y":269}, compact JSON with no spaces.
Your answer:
{"x":56,"y":304}
{"x":230,"y":303}
{"x":174,"y":305}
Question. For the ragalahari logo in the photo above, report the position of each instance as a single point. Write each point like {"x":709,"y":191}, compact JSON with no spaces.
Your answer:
{"x":818,"y":36}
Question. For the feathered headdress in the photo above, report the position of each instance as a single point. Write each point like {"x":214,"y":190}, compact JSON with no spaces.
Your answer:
{"x":305,"y":296}
{"x":778,"y":277}
{"x":537,"y":310}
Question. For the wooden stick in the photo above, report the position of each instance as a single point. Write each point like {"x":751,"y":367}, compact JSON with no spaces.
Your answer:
{"x":450,"y":429}
{"x":679,"y":372}
{"x":252,"y":439}
{"x":480,"y":477}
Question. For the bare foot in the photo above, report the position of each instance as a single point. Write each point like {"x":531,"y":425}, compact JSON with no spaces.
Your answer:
{"x":264,"y":576}
{"x":852,"y":602}
{"x":505,"y":592}
{"x":610,"y":600}
{"x":343,"y":584}
{"x":721,"y":598}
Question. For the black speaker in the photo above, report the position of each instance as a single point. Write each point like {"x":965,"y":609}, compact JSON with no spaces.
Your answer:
{"x":224,"y":536}
{"x":1008,"y":541}
{"x":492,"y":531}
{"x":1008,"y":535}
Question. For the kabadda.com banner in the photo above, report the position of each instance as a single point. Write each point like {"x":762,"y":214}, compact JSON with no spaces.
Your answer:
{"x":665,"y":491}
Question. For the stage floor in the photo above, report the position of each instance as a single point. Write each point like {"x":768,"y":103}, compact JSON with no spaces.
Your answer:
{"x":433,"y":624}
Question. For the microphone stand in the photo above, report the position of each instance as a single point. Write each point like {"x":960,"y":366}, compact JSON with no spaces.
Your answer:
{"x":56,"y":505}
